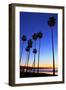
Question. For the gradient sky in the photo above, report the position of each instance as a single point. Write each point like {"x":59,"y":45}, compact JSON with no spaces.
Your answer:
{"x":30,"y":23}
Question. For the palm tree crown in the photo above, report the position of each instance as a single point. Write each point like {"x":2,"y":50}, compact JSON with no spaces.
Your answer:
{"x":34,"y":51}
{"x":51,"y":21}
{"x":34,"y":36}
{"x":23,"y":38}
{"x":27,"y":49}
{"x":39,"y":35}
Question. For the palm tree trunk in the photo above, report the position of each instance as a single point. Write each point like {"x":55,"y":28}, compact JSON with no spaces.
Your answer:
{"x":28,"y":60}
{"x":22,"y":52}
{"x":38,"y":56}
{"x":35,"y":44}
{"x":34,"y":58}
{"x":34,"y":62}
{"x":53,"y":53}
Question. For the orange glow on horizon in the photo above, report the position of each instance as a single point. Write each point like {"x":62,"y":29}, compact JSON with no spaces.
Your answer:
{"x":42,"y":65}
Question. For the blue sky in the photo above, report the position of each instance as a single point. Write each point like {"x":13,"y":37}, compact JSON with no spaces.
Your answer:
{"x":30,"y":23}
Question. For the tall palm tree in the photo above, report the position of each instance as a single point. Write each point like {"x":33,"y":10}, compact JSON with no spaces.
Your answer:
{"x":39,"y":35}
{"x":28,"y":50}
{"x":51,"y":23}
{"x":34,"y":51}
{"x":23,"y":40}
{"x":34,"y":36}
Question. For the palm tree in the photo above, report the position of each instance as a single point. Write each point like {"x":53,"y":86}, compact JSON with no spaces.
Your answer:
{"x":39,"y":35}
{"x":51,"y":23}
{"x":34,"y":36}
{"x":23,"y":40}
{"x":28,"y":50}
{"x":34,"y":51}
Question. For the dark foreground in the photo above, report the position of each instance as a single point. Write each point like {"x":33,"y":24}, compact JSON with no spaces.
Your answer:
{"x":30,"y":74}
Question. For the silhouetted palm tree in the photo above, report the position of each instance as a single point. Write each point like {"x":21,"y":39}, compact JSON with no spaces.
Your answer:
{"x":39,"y":35}
{"x":51,"y":23}
{"x":28,"y":51}
{"x":23,"y":40}
{"x":34,"y":51}
{"x":34,"y":36}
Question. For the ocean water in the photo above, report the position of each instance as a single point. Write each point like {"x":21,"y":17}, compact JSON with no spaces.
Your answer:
{"x":48,"y":71}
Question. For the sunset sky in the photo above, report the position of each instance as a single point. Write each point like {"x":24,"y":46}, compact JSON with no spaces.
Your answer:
{"x":31,"y":23}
